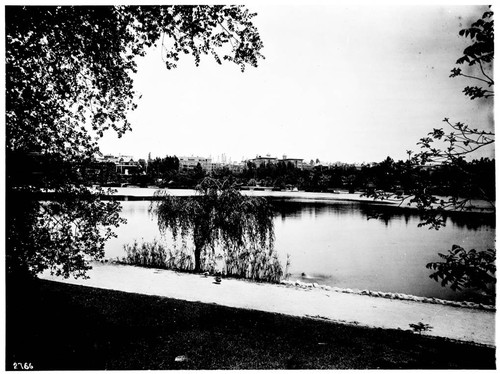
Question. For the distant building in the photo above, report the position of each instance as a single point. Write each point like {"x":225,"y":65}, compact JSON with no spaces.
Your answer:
{"x":189,"y":163}
{"x":297,"y":162}
{"x":259,"y":160}
{"x":124,"y":165}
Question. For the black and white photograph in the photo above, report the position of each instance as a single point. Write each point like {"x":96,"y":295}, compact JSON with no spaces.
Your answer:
{"x":282,"y":185}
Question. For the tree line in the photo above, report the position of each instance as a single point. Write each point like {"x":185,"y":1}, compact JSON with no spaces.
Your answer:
{"x":401,"y":177}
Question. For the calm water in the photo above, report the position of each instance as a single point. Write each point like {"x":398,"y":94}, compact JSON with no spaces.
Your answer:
{"x":336,"y":243}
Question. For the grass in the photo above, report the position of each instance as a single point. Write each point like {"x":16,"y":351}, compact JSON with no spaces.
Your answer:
{"x":57,"y":326}
{"x":248,"y":263}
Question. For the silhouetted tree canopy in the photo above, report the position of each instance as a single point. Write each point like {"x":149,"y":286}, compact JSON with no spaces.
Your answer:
{"x":69,"y":79}
{"x":466,"y":269}
{"x":479,"y":57}
{"x":69,"y":70}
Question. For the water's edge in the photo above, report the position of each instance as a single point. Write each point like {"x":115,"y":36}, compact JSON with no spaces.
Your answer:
{"x":310,"y":286}
{"x":390,"y":295}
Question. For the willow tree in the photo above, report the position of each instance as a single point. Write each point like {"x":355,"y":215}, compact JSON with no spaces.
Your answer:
{"x":218,"y":215}
{"x":69,"y":79}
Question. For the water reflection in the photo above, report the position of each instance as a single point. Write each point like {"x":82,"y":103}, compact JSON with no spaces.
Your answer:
{"x":295,"y":209}
{"x":336,"y":243}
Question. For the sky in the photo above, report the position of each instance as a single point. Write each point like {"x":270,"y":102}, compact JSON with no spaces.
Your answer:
{"x":339,"y":83}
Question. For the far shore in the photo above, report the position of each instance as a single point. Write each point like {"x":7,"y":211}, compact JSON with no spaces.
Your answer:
{"x":138,"y":193}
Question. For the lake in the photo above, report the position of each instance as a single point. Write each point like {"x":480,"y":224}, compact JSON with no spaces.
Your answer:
{"x":335,"y":242}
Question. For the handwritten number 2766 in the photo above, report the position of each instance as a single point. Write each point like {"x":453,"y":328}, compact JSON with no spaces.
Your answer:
{"x":23,"y":366}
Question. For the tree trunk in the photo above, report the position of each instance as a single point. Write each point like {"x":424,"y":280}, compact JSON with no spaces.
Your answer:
{"x":197,"y":258}
{"x":199,"y":243}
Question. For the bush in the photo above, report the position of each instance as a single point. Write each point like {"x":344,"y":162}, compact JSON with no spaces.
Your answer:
{"x":462,"y":269}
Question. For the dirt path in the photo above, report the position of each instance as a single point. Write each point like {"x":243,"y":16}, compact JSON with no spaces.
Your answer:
{"x":447,"y":321}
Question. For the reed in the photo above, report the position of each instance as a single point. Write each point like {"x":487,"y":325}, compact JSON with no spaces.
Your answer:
{"x":248,"y":263}
{"x":156,"y":255}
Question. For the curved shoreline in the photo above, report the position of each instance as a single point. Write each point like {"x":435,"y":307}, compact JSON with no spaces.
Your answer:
{"x":464,"y":324}
{"x":390,"y":295}
{"x":365,"y":292}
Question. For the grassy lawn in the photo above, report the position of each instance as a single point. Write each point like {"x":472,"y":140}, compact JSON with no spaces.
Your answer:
{"x":57,"y":326}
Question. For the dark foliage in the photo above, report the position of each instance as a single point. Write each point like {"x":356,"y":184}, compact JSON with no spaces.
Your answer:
{"x":478,"y":55}
{"x":466,"y":269}
{"x":68,"y":80}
